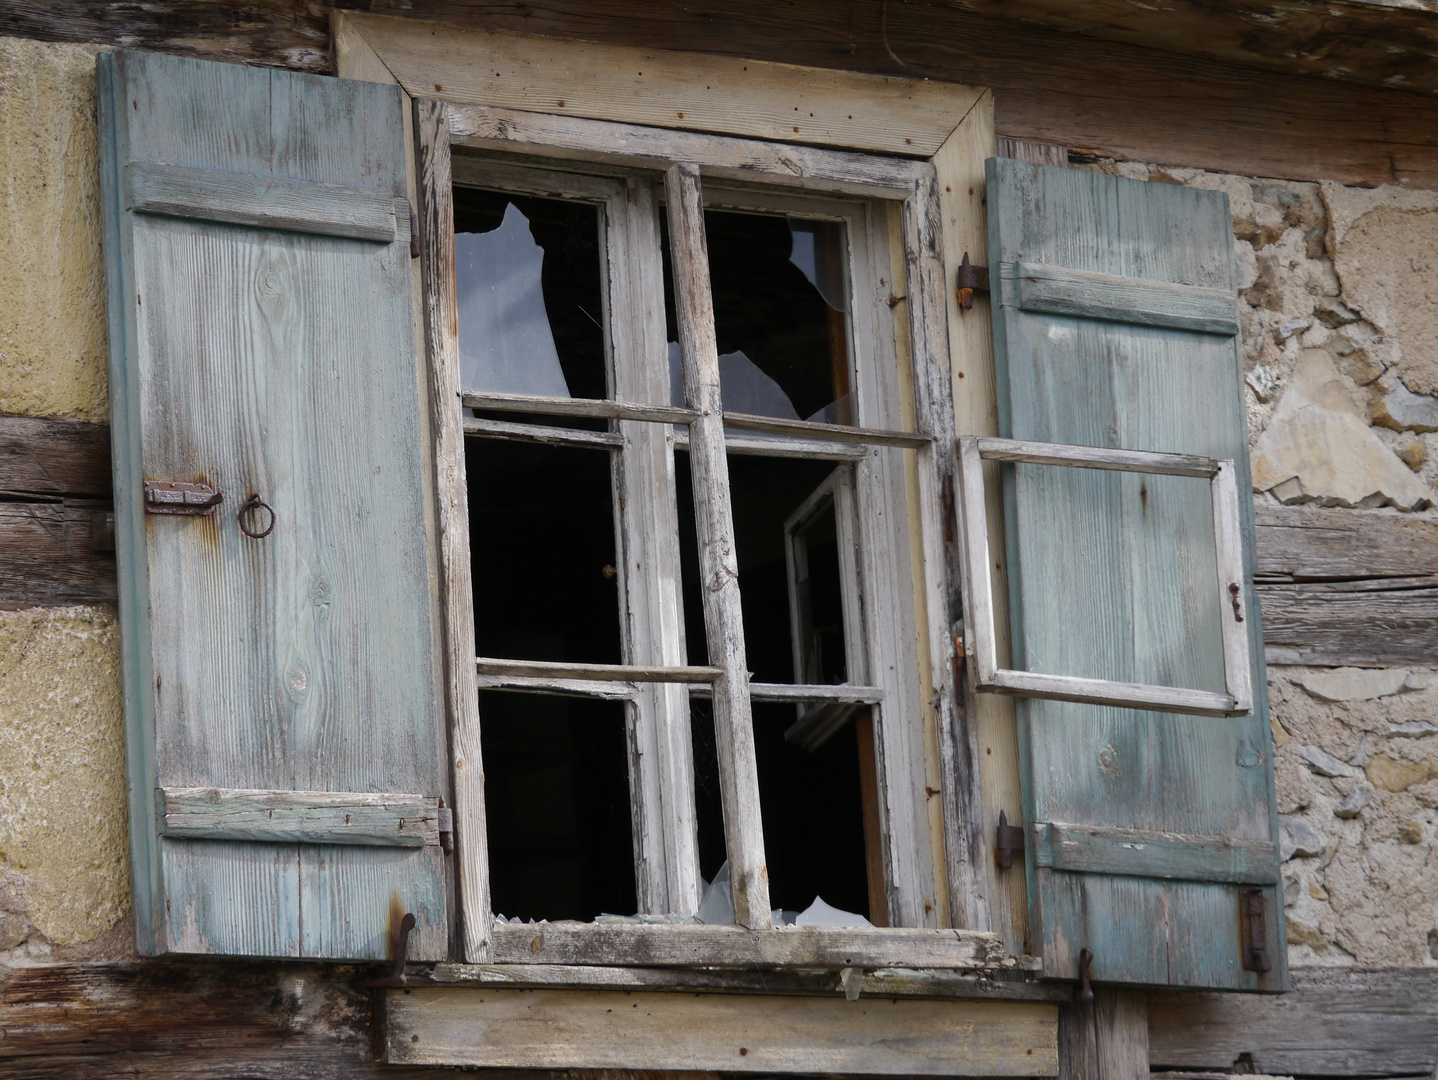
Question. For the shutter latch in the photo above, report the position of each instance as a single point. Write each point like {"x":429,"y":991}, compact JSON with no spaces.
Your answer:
{"x":1254,"y":929}
{"x":446,"y":828}
{"x":174,"y":497}
{"x":1010,"y":839}
{"x":969,"y":280}
{"x":399,"y":947}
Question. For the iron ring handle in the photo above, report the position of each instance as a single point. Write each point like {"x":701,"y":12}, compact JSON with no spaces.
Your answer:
{"x":254,"y":502}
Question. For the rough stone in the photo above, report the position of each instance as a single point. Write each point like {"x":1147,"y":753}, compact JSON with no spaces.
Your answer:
{"x":1263,"y":381}
{"x":1393,"y":775}
{"x":1410,"y":832}
{"x":1353,"y":684}
{"x":1298,"y":839}
{"x":1403,"y":410}
{"x":52,"y":323}
{"x":1354,"y":802}
{"x":1382,"y":901}
{"x":1334,"y":313}
{"x":1324,"y":763}
{"x":1411,"y":453}
{"x":1414,"y":727}
{"x":63,"y":827}
{"x":1385,"y":249}
{"x":1319,"y":437}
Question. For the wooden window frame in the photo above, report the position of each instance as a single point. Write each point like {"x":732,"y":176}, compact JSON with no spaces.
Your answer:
{"x":937,"y":137}
{"x":1237,"y":699}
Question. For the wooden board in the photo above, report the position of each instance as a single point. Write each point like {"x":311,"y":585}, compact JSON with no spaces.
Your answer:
{"x":179,"y":1020}
{"x":47,"y":558}
{"x":53,"y":457}
{"x":1051,"y":87}
{"x":1299,"y":543}
{"x":279,"y":364}
{"x":549,"y":1029}
{"x":1338,"y":1022}
{"x":1112,"y":576}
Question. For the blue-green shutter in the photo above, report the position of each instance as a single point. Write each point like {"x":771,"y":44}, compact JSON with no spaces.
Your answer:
{"x":283,"y":708}
{"x":1143,"y":829}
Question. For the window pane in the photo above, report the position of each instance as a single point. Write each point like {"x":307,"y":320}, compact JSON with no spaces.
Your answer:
{"x":541,"y":528}
{"x":531,"y":309}
{"x":556,"y":797}
{"x":781,"y":305}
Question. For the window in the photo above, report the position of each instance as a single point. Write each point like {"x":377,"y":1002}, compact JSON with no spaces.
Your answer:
{"x":693,"y":463}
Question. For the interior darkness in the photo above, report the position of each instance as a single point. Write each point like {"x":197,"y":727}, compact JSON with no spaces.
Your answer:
{"x":812,"y":809}
{"x":573,"y":292}
{"x":556,"y":792}
{"x":766,"y":308}
{"x":556,"y":768}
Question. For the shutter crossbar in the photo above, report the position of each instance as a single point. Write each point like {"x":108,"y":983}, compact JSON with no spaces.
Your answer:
{"x":1106,"y":849}
{"x":1057,"y":290}
{"x":303,"y":817}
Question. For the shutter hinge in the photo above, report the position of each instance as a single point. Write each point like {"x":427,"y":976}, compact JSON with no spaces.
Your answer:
{"x":1253,"y":924}
{"x":413,"y":234}
{"x":1009,"y":839}
{"x":446,"y":828}
{"x":946,"y":497}
{"x":969,"y":280}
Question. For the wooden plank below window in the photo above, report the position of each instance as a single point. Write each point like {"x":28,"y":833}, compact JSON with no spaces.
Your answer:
{"x":566,"y":1029}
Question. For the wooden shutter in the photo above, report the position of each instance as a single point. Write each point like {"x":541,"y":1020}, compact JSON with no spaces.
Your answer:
{"x":1146,"y":832}
{"x":281,"y":691}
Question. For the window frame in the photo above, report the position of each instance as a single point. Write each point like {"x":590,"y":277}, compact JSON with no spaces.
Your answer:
{"x":940,"y":136}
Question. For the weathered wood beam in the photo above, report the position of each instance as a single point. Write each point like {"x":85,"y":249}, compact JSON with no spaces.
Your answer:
{"x":1066,"y":89}
{"x":1106,"y":1038}
{"x":47,"y":556}
{"x":53,"y":457}
{"x":1335,"y":1022}
{"x":183,"y":1020}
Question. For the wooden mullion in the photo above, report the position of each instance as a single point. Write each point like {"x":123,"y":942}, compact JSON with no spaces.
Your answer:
{"x":486,"y":665}
{"x":538,"y":433}
{"x":718,"y":565}
{"x":441,"y":322}
{"x":834,"y":432}
{"x":603,"y":410}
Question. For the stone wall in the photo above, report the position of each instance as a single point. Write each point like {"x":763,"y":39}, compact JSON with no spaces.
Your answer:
{"x":1340,"y":327}
{"x":1340,"y":331}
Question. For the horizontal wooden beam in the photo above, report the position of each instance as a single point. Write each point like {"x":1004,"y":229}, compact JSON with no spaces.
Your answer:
{"x":688,"y":945}
{"x":53,"y":457}
{"x":1107,"y":849}
{"x":880,"y":982}
{"x":588,"y":1029}
{"x":1058,"y":290}
{"x":302,"y":817}
{"x":554,"y":669}
{"x":48,"y":557}
{"x":1338,"y":1022}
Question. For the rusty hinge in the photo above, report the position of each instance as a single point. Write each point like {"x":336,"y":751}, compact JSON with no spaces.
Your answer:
{"x":1009,"y":839}
{"x":446,"y":828}
{"x":1253,"y":927}
{"x":969,"y":280}
{"x":413,"y":234}
{"x":946,"y":497}
{"x":174,"y":497}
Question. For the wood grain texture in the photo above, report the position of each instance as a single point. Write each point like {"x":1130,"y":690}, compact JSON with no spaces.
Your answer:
{"x":53,"y":457}
{"x":1304,"y":544}
{"x":1085,"y":294}
{"x":1105,"y":1039}
{"x":549,"y":1028}
{"x":691,"y":945}
{"x":880,"y":982}
{"x":302,"y":817}
{"x":174,"y":1019}
{"x":718,"y":561}
{"x":1064,"y":89}
{"x":435,"y":195}
{"x":1334,"y":1022}
{"x":245,"y":356}
{"x":1370,"y":622}
{"x":1106,"y":589}
{"x":47,"y":558}
{"x":1103,"y":849}
{"x":264,"y":202}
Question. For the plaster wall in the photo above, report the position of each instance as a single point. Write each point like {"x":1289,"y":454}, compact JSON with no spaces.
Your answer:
{"x":1340,"y":290}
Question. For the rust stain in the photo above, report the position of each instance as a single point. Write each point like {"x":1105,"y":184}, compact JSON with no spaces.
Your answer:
{"x":396,"y":917}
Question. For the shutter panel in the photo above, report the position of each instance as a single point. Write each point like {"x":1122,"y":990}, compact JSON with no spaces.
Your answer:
{"x":1146,"y":831}
{"x":283,"y":711}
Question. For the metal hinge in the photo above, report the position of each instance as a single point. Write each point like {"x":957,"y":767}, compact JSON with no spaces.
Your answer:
{"x":969,"y":280}
{"x":1253,"y":928}
{"x":446,"y":828}
{"x":413,"y":234}
{"x":1009,"y":839}
{"x":175,"y":497}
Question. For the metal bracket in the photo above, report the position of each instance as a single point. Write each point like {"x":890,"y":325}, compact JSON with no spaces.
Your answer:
{"x":1009,"y":839}
{"x":1084,"y":991}
{"x":175,"y":497}
{"x":446,"y":828}
{"x":1253,"y":929}
{"x":399,"y":945}
{"x":969,"y":280}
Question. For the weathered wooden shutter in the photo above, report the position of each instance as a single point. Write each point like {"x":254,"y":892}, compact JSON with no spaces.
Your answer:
{"x":1150,"y":836}
{"x":283,"y":714}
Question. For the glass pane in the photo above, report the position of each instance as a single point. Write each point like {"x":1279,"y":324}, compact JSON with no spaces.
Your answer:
{"x":541,"y":529}
{"x":765,"y":493}
{"x":780,"y":315}
{"x":556,"y":797}
{"x":529,"y":283}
